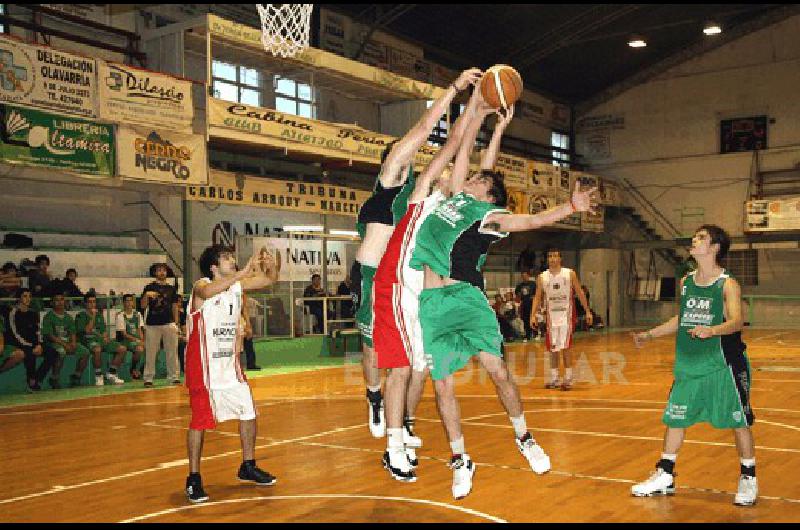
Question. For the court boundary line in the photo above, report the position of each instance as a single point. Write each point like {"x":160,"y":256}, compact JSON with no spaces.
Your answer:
{"x":429,"y":502}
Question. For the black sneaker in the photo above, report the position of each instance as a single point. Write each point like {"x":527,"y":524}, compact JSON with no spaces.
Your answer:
{"x":253,"y":368}
{"x":54,"y":383}
{"x":194,"y":491}
{"x":251,"y":473}
{"x":74,"y":380}
{"x":35,"y":387}
{"x":148,"y":384}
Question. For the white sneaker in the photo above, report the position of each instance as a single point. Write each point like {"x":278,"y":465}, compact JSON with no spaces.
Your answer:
{"x":396,"y":462}
{"x":411,"y":454}
{"x":98,"y":380}
{"x":659,"y":483}
{"x":115,"y":379}
{"x":535,"y":455}
{"x":463,"y":470}
{"x":409,"y":439}
{"x":377,"y":429}
{"x":748,"y":491}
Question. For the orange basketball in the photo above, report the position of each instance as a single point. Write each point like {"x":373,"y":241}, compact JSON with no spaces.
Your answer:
{"x":501,"y":86}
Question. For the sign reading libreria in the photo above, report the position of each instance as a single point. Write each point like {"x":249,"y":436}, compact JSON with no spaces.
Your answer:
{"x":42,"y":139}
{"x":133,"y":95}
{"x":39,"y":76}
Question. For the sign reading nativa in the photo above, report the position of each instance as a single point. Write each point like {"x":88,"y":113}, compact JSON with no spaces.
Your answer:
{"x":232,"y":188}
{"x":160,"y":155}
{"x":36,"y":138}
{"x":133,"y":95}
{"x":38,"y":76}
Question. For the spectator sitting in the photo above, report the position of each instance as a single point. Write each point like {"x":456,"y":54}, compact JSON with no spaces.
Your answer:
{"x":315,"y":307}
{"x":512,"y":309}
{"x":130,"y":333}
{"x":91,"y":328}
{"x":345,"y":289}
{"x":10,"y":280}
{"x":40,"y":279}
{"x":58,"y":333}
{"x":23,"y":333}
{"x":10,"y":355}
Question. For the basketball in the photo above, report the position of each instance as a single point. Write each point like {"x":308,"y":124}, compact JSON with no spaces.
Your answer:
{"x":501,"y":86}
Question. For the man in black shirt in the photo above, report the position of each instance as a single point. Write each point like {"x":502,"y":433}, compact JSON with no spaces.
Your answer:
{"x":315,"y":307}
{"x":525,"y":291}
{"x":160,"y":303}
{"x":23,"y":333}
{"x":344,"y":289}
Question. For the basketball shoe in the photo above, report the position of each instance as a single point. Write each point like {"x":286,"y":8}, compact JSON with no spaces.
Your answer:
{"x":463,"y":470}
{"x":659,"y":483}
{"x":534,"y":454}
{"x":748,"y":491}
{"x":397,"y":463}
{"x":249,"y":472}
{"x":194,"y":490}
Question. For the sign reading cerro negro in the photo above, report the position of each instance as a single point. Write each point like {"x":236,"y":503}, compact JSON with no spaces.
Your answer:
{"x":39,"y":76}
{"x":232,"y":188}
{"x":36,"y":138}
{"x":133,"y":95}
{"x":160,"y":155}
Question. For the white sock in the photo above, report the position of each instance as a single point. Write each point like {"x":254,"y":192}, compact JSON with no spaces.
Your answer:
{"x":374,"y":388}
{"x":554,"y":374}
{"x":568,"y":374}
{"x":520,"y":428}
{"x":457,"y":447}
{"x":394,"y":439}
{"x":748,"y":462}
{"x":671,"y":458}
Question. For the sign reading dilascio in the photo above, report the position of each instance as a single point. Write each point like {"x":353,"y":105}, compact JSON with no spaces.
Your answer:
{"x":37,"y":138}
{"x":132,"y":95}
{"x":38,"y":76}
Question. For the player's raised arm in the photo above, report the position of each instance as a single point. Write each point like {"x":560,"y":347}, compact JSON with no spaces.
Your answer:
{"x":489,"y":155}
{"x":205,"y":290}
{"x":582,"y":201}
{"x":461,"y":166}
{"x":263,"y":272}
{"x":404,"y":150}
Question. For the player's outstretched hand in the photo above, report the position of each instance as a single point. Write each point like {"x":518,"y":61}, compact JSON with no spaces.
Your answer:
{"x":506,"y":118}
{"x":468,"y":77}
{"x":584,"y":201}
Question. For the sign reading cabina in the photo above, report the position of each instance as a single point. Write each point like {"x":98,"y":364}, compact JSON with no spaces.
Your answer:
{"x":162,"y":156}
{"x":231,"y":188}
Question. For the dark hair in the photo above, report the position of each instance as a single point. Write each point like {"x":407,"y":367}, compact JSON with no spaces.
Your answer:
{"x":210,"y":257}
{"x":22,"y":291}
{"x":315,"y":276}
{"x":9,"y":265}
{"x":71,"y":270}
{"x":387,"y":150}
{"x":40,"y":258}
{"x":498,"y":188}
{"x":90,"y":294}
{"x":719,"y":237}
{"x":553,"y":249}
{"x":126,"y":296}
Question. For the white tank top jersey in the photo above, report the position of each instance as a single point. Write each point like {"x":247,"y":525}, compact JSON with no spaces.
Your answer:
{"x":212,"y":331}
{"x":558,"y":294}
{"x":409,"y":277}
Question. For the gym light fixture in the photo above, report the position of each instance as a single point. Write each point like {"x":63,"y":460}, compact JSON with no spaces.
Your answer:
{"x":637,"y":42}
{"x":302,"y":228}
{"x":712,"y":28}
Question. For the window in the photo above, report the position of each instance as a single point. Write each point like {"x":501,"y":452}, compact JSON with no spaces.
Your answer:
{"x":560,"y":140}
{"x":293,"y":97}
{"x":236,"y":83}
{"x":2,"y":12}
{"x":743,"y":265}
{"x":440,"y":131}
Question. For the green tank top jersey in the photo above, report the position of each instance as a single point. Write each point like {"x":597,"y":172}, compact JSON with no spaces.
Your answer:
{"x":82,"y":320}
{"x":452,"y":242}
{"x":386,"y":205}
{"x":704,"y":306}
{"x":132,"y":324}
{"x":61,"y":327}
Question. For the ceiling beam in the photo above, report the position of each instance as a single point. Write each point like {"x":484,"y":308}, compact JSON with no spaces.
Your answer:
{"x":772,"y":16}
{"x":382,"y":19}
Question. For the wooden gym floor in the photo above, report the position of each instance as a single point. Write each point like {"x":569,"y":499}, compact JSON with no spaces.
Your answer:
{"x":122,"y":457}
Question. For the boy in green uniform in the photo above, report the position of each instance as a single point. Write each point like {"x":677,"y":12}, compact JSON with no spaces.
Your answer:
{"x":130,"y":333}
{"x":10,"y":355}
{"x":712,"y":373}
{"x":91,"y":327}
{"x":58,"y":332}
{"x":457,"y":321}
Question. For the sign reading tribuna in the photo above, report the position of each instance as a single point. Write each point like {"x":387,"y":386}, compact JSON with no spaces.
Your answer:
{"x":42,"y":139}
{"x":232,"y":188}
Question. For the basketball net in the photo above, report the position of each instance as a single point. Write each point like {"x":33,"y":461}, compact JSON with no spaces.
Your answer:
{"x":285,"y":28}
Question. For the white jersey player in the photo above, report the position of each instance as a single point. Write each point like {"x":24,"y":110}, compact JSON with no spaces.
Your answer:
{"x":558,"y":286}
{"x":218,"y":389}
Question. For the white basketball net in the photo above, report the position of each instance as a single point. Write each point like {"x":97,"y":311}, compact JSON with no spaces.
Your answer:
{"x":285,"y":28}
